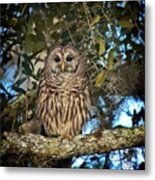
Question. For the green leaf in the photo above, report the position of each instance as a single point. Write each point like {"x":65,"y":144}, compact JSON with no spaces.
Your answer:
{"x":111,"y":59}
{"x":19,"y":90}
{"x":95,"y":20}
{"x":101,"y":44}
{"x":101,"y":78}
{"x":126,"y":23}
{"x":20,"y":81}
{"x":3,"y":88}
{"x":40,"y":36}
{"x":28,"y":60}
{"x":34,"y":43}
{"x":27,"y":70}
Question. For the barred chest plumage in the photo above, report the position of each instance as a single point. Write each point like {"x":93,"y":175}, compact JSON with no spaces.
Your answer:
{"x":63,"y":106}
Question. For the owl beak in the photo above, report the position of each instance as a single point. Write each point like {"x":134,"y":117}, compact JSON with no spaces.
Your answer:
{"x":63,"y":66}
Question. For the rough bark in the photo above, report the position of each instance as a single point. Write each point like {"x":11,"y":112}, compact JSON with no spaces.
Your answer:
{"x":40,"y":149}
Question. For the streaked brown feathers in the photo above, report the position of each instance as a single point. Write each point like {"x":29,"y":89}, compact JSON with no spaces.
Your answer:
{"x":63,"y":103}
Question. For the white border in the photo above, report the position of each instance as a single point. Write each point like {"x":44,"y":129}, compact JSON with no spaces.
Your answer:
{"x":69,"y":174}
{"x":36,"y":1}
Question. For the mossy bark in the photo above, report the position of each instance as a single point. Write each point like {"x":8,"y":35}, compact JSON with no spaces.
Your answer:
{"x":40,"y":149}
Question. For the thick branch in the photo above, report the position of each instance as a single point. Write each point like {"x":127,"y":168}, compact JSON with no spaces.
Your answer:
{"x":41,"y":149}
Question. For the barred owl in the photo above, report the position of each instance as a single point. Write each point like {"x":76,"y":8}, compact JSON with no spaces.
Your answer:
{"x":63,"y":103}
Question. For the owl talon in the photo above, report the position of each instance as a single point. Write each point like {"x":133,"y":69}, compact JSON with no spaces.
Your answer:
{"x":67,"y":137}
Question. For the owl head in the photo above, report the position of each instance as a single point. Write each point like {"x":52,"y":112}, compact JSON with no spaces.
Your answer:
{"x":64,"y":59}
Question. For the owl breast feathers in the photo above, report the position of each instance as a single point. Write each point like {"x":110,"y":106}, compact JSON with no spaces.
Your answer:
{"x":63,"y":103}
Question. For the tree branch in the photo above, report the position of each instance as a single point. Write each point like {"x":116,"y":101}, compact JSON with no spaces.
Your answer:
{"x":40,"y":149}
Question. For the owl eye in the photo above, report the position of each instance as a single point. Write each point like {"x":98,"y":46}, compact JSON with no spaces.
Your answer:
{"x":57,"y":59}
{"x":69,"y":58}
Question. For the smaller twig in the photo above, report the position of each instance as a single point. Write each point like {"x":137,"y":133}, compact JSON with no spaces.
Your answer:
{"x":108,"y":19}
{"x":69,"y":32}
{"x":23,"y":10}
{"x":13,"y":123}
{"x":86,"y":13}
{"x":26,"y":99}
{"x":134,"y":20}
{"x":67,"y":27}
{"x":46,"y":32}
